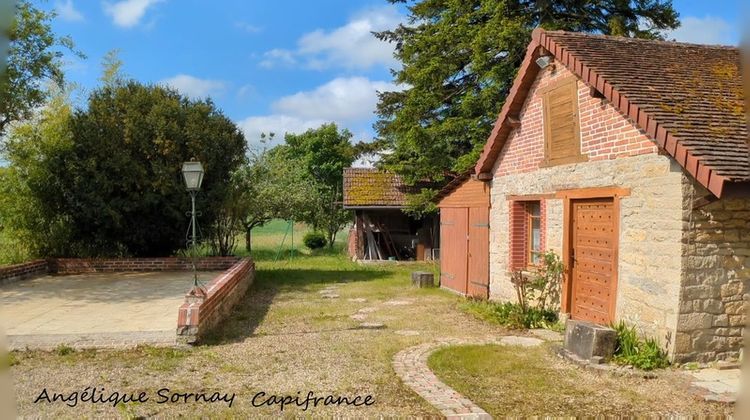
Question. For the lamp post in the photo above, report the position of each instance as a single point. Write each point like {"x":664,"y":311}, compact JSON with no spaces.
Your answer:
{"x":192,"y":173}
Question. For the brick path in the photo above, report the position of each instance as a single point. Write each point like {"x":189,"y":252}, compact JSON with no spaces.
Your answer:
{"x":411,"y":366}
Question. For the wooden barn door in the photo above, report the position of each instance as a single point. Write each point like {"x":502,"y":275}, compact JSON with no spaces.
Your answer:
{"x":453,"y":248}
{"x":593,"y":259}
{"x":479,"y":252}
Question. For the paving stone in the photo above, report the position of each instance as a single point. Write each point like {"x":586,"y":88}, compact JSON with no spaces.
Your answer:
{"x":547,"y":335}
{"x":406,"y":332}
{"x":411,"y":366}
{"x":520,"y":341}
{"x":367,"y":310}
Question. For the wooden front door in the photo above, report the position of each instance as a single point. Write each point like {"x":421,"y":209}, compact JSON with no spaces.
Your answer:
{"x":479,"y":253}
{"x":453,"y":248}
{"x":593,"y":261}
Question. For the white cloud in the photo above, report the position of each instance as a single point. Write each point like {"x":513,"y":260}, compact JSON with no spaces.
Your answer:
{"x":127,"y":13}
{"x":349,"y":102}
{"x":277,"y":57}
{"x":352,"y":46}
{"x":247,"y":27}
{"x":706,"y":30}
{"x":194,"y":87}
{"x":278,"y":124}
{"x":68,"y":12}
{"x":245,"y":91}
{"x":340,"y":100}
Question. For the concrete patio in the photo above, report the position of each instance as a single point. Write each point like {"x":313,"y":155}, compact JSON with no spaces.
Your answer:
{"x":94,"y":310}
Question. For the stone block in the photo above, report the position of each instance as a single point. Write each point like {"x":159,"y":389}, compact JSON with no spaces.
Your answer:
{"x":732,"y":289}
{"x":695,"y":321}
{"x":721,"y":321}
{"x":588,"y":340}
{"x":713,"y":306}
{"x":737,"y":320}
{"x":422,"y":279}
{"x":735,"y":308}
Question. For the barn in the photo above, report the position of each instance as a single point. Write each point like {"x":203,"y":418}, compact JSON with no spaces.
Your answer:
{"x":381,"y":231}
{"x":465,"y":228}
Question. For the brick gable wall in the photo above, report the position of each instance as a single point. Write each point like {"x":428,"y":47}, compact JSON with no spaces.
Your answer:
{"x":605,"y":132}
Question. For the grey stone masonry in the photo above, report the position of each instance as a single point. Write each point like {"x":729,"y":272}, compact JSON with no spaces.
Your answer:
{"x":714,"y":297}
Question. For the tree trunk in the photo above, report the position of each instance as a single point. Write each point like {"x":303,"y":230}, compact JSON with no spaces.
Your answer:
{"x":331,"y":239}
{"x":249,"y":239}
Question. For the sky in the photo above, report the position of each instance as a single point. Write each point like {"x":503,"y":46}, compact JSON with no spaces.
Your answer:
{"x":278,"y":66}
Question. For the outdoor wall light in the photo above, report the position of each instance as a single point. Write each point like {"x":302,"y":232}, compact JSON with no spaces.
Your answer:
{"x":192,"y":172}
{"x":544,"y":61}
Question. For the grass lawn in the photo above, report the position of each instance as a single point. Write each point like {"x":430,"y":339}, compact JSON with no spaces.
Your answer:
{"x":516,"y":381}
{"x":285,"y":338}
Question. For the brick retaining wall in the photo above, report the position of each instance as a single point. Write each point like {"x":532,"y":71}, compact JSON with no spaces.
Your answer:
{"x":17,"y":272}
{"x":205,"y":307}
{"x":110,"y":265}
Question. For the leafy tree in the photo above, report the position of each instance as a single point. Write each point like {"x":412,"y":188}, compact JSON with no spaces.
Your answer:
{"x":29,"y":186}
{"x":34,"y":58}
{"x":459,"y":58}
{"x":324,"y":153}
{"x":272,"y":186}
{"x":113,"y":178}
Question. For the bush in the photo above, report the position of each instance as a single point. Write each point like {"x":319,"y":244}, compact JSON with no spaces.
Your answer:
{"x":642,"y":353}
{"x":511,"y":315}
{"x":315,"y":240}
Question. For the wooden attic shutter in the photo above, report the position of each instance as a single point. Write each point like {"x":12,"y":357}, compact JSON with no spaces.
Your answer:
{"x":562,"y":139}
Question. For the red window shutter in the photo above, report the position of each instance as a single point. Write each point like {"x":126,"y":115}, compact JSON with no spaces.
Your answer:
{"x":517,"y":230}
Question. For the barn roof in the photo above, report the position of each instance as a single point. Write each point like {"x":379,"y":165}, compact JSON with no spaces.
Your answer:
{"x":687,"y":97}
{"x":370,"y":187}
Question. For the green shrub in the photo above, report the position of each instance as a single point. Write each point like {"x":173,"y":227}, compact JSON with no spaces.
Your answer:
{"x":642,"y":353}
{"x":511,"y":315}
{"x":64,"y":350}
{"x":314,"y":240}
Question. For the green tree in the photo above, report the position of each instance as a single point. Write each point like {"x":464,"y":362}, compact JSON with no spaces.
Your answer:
{"x":459,"y":59}
{"x":324,"y":153}
{"x":34,"y":59}
{"x":29,"y":188}
{"x":272,"y":186}
{"x":113,"y":179}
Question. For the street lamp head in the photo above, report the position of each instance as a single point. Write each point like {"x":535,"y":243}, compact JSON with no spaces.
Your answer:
{"x":192,"y":172}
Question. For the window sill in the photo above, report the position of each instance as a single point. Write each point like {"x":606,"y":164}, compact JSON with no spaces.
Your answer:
{"x":564,"y":161}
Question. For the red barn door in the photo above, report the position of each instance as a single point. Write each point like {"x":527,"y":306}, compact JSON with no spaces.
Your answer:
{"x":453,"y":248}
{"x":479,"y":252}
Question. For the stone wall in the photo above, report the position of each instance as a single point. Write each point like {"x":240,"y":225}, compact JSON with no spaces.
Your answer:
{"x":27,"y":270}
{"x":650,"y":238}
{"x":205,"y":308}
{"x":619,"y":155}
{"x":716,"y":278}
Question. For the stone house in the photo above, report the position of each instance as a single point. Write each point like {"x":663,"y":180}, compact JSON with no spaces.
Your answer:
{"x":629,"y":158}
{"x":381,"y":230}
